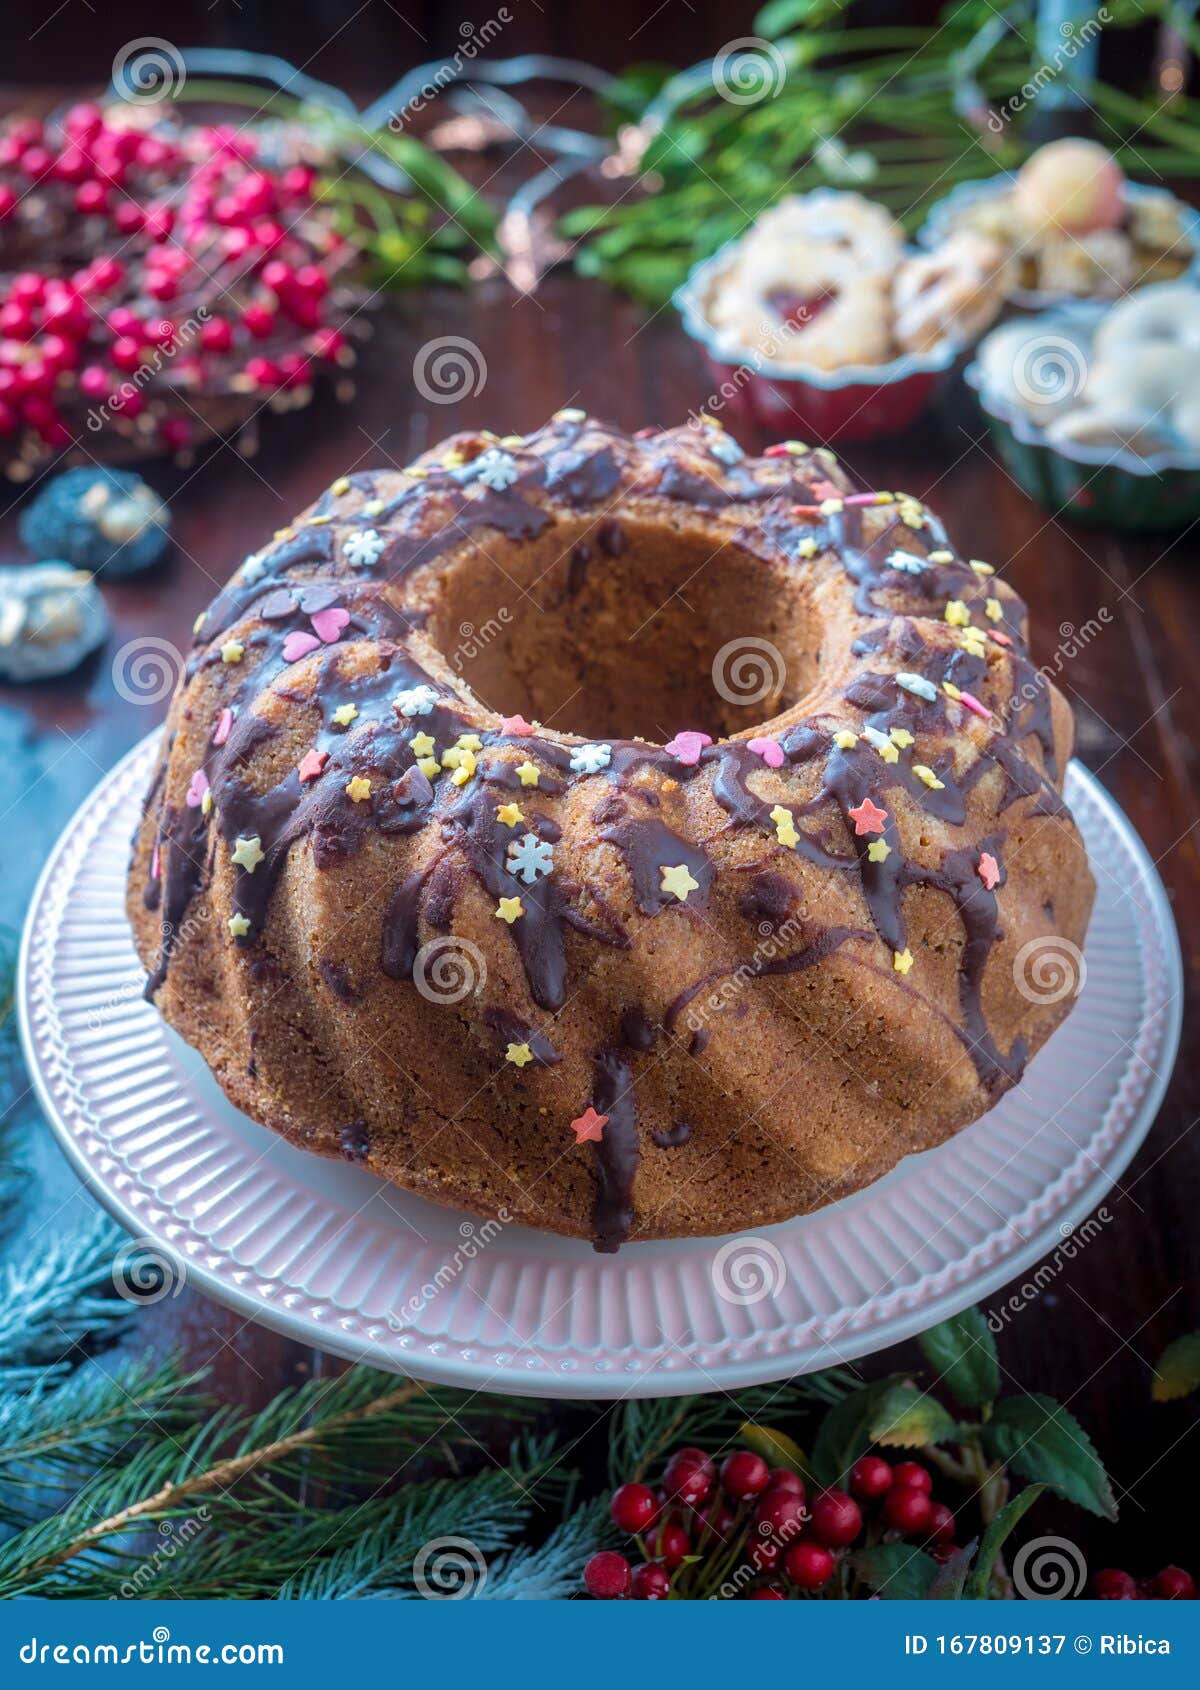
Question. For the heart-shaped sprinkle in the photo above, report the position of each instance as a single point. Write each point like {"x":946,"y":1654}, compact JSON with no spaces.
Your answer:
{"x":329,"y":623}
{"x":277,"y":605}
{"x":313,"y":599}
{"x":298,"y":645}
{"x":687,"y":746}
{"x":769,"y":750}
{"x":224,"y":726}
{"x":197,"y":789}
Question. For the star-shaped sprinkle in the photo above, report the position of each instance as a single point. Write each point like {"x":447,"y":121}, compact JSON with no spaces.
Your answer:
{"x":845,"y":740}
{"x":528,"y":773}
{"x":867,"y":817}
{"x":510,"y":910}
{"x":911,"y":514}
{"x":340,"y":486}
{"x":518,"y":1055}
{"x":470,"y":742}
{"x":247,"y":852}
{"x":878,"y":851}
{"x":902,"y":961}
{"x":429,"y":767}
{"x":312,"y":764}
{"x":808,"y":547}
{"x":415,"y":701}
{"x":197,"y":790}
{"x":785,"y":826}
{"x":363,"y":548}
{"x":589,"y":1127}
{"x":994,"y":610}
{"x":882,"y":744}
{"x":957,"y":614}
{"x":981,"y":568}
{"x":422,"y":744}
{"x":239,"y":926}
{"x":687,"y":746}
{"x":358,"y":788}
{"x":677,"y":881}
{"x":224,"y":727}
{"x":900,"y":737}
{"x":509,"y":814}
{"x":908,"y":563}
{"x":832,"y":507}
{"x":344,"y":715}
{"x":232,"y":651}
{"x":529,"y":857}
{"x":515,"y":725}
{"x":988,"y":870}
{"x":496,"y":469}
{"x":590,"y":759}
{"x":298,"y":644}
{"x":465,"y":766}
{"x":918,"y":686}
{"x":769,"y":750}
{"x":924,"y":773}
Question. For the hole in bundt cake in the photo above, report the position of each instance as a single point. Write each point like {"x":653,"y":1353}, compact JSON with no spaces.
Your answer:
{"x":622,"y":628}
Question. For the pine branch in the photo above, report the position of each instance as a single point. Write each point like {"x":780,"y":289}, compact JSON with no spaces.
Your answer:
{"x":550,"y":1573}
{"x":51,"y":1303}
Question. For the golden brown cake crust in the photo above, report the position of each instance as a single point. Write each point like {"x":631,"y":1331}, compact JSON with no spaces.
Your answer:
{"x":765,"y":901}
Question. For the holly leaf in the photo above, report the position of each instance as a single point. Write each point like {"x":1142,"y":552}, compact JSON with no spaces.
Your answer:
{"x":909,"y":1419}
{"x":1043,"y":1442}
{"x":1178,"y":1371}
{"x":1001,"y":1525}
{"x":963,"y":1350}
{"x":951,"y":1576}
{"x":845,"y":1432}
{"x":895,"y":1571}
{"x":777,"y":1449}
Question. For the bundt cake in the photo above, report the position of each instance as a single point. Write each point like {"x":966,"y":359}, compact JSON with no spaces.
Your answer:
{"x":622,"y":836}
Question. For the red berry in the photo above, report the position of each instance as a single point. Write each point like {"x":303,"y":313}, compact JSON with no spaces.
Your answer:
{"x":16,"y":320}
{"x":311,"y":279}
{"x":107,"y":273}
{"x":161,"y":286}
{"x":651,"y":1583}
{"x":161,"y":331}
{"x":716,"y":1522}
{"x":743,"y":1475}
{"x":607,"y":1576}
{"x":782,"y":1478}
{"x":124,"y":323}
{"x":328,"y":343}
{"x":780,"y":1514}
{"x":129,"y":217}
{"x":8,"y":202}
{"x":836,"y":1519}
{"x":263,"y":372}
{"x":129,"y":402}
{"x":259,"y":320}
{"x":295,"y":368}
{"x":633,"y":1508}
{"x":8,"y":418}
{"x":808,"y":1565}
{"x":216,"y":335}
{"x":908,"y":1509}
{"x":83,"y":120}
{"x":160,"y":220}
{"x":96,"y":382}
{"x":175,"y":432}
{"x":37,"y":376}
{"x":28,"y":286}
{"x":37,"y":161}
{"x":690,"y":1476}
{"x":1175,"y":1584}
{"x":941,"y":1522}
{"x":765,"y":1593}
{"x":278,"y":276}
{"x":66,"y":313}
{"x":72,"y":165}
{"x":912,"y":1473}
{"x":1112,"y":1585}
{"x":669,"y":1543}
{"x":269,"y":234}
{"x":91,"y":198}
{"x":297,"y":181}
{"x":870,"y":1478}
{"x":126,"y":353}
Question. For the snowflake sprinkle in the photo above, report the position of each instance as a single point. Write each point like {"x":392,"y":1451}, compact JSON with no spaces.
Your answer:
{"x":590,"y":759}
{"x":496,"y":469}
{"x":364,"y":548}
{"x":908,"y":563}
{"x":415,"y":701}
{"x":529,"y":858}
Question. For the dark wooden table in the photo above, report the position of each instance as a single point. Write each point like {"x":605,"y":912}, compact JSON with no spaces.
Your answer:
{"x":1091,"y":1337}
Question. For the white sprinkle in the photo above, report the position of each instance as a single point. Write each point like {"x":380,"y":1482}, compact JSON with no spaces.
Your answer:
{"x":917,"y":684}
{"x":415,"y":701}
{"x":590,"y":759}
{"x":364,"y":548}
{"x":907,"y":562}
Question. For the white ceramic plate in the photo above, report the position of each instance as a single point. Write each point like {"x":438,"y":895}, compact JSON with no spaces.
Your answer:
{"x":334,"y":1258}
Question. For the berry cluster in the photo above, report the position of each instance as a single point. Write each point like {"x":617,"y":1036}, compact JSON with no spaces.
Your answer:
{"x":149,"y":271}
{"x":1173,"y":1584}
{"x":750,"y":1530}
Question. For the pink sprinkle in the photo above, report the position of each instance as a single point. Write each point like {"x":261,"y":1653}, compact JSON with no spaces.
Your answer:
{"x":1000,"y":639}
{"x":769,"y":750}
{"x":687,"y":746}
{"x":329,"y":623}
{"x":827,"y":490}
{"x":972,"y":703}
{"x":989,"y":870}
{"x":311,"y":764}
{"x":224,"y":727}
{"x":299,"y":645}
{"x":156,"y":863}
{"x":859,"y":498}
{"x":515,"y":725}
{"x":196,"y":791}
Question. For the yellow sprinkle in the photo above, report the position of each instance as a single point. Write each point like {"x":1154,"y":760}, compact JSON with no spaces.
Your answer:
{"x":206,"y":803}
{"x":453,"y":757}
{"x":925,"y":773}
{"x":845,"y":740}
{"x":711,"y":422}
{"x":902,"y":961}
{"x":831,"y":507}
{"x":510,"y":910}
{"x":518,"y":1055}
{"x":511,"y":440}
{"x":340,"y":486}
{"x":284,"y":533}
{"x":247,"y":853}
{"x":239,"y":926}
{"x":785,"y":826}
{"x":900,"y":737}
{"x":797,"y":448}
{"x":808,"y":547}
{"x":878,"y":851}
{"x":373,"y":507}
{"x":470,"y":742}
{"x":509,"y":814}
{"x":422,"y":744}
{"x":345,"y":714}
{"x":199,"y":622}
{"x":678,"y":881}
{"x":429,"y":767}
{"x":957,"y":614}
{"x":951,"y":691}
{"x":912,"y":516}
{"x":465,"y":769}
{"x":453,"y":459}
{"x":981,"y":568}
{"x":670,"y":785}
{"x":885,"y":498}
{"x":232,"y":651}
{"x":528,"y":773}
{"x":994,"y":610}
{"x":882,"y":744}
{"x":942,"y":556}
{"x":358,"y":787}
{"x":313,"y":520}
